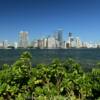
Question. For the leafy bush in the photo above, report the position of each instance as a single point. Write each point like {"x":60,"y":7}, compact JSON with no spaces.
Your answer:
{"x":57,"y":81}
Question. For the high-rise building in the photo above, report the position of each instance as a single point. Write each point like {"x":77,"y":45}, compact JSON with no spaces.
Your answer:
{"x":40,"y":43}
{"x":15,"y":45}
{"x":5,"y":44}
{"x":51,"y":43}
{"x":59,"y":38}
{"x":70,"y":40}
{"x":78,"y":42}
{"x":34,"y":44}
{"x":44,"y":42}
{"x":1,"y":45}
{"x":23,"y":39}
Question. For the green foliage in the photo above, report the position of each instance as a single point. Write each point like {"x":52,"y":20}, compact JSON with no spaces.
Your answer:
{"x":26,"y":55}
{"x":56,"y":81}
{"x":5,"y":66}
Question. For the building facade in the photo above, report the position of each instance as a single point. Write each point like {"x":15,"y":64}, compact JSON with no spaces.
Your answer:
{"x":23,"y":39}
{"x":51,"y":43}
{"x":59,"y":38}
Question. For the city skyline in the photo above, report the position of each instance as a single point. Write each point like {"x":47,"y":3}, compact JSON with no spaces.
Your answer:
{"x":43,"y":17}
{"x":54,"y":41}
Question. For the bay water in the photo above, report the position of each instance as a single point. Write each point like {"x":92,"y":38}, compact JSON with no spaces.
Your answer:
{"x":86,"y":57}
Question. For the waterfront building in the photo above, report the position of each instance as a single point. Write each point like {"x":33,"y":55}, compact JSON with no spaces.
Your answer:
{"x":23,"y":39}
{"x":92,"y":45}
{"x":40,"y":43}
{"x":63,"y":45}
{"x":70,"y":40}
{"x":5,"y":44}
{"x":10,"y":45}
{"x":59,"y":38}
{"x":44,"y":42}
{"x":67,"y":45}
{"x":1,"y":45}
{"x":96,"y":45}
{"x":51,"y":43}
{"x":87,"y":44}
{"x":84,"y":45}
{"x":78,"y":42}
{"x":34,"y":44}
{"x":73,"y":43}
{"x":15,"y":45}
{"x":57,"y":44}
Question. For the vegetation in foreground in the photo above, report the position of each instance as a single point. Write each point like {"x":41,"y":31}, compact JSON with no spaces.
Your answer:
{"x":56,"y":81}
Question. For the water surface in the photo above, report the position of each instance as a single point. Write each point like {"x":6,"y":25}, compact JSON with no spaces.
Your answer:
{"x":86,"y":57}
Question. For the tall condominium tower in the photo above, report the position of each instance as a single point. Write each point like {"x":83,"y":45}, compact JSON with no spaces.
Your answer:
{"x":23,"y":39}
{"x":58,"y":36}
{"x":70,"y":40}
{"x":5,"y":44}
{"x":51,"y":43}
{"x":78,"y":42}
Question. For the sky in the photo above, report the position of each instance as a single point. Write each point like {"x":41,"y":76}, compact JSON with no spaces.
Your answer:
{"x":43,"y":17}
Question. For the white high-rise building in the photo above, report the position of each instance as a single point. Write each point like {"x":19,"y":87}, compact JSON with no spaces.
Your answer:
{"x":78,"y":42}
{"x":23,"y":39}
{"x":57,"y":44}
{"x":73,"y":44}
{"x":5,"y":44}
{"x":70,"y":40}
{"x":44,"y":42}
{"x":59,"y":38}
{"x":1,"y":45}
{"x":63,"y":45}
{"x":51,"y":43}
{"x":35,"y":44}
{"x":40,"y":43}
{"x":16,"y":45}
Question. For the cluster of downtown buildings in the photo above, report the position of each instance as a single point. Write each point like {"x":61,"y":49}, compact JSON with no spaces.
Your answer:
{"x":51,"y":42}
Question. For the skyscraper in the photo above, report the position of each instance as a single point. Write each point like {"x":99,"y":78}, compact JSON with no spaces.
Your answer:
{"x":40,"y":43}
{"x":23,"y":39}
{"x":51,"y":43}
{"x":45,"y":42}
{"x":58,"y":37}
{"x":78,"y":42}
{"x":5,"y":44}
{"x":70,"y":40}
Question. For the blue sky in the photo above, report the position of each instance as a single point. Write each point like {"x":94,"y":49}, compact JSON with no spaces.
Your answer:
{"x":43,"y":17}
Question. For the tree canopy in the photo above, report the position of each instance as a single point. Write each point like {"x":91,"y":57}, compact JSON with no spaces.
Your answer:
{"x":60,"y":80}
